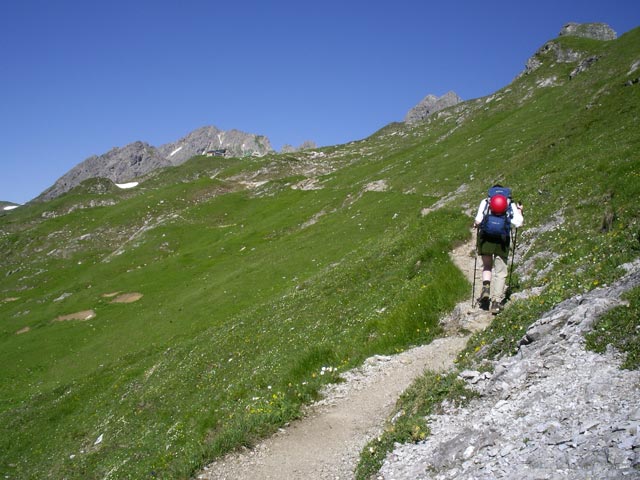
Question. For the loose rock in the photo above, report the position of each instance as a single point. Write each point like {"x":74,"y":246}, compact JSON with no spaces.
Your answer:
{"x":554,"y":410}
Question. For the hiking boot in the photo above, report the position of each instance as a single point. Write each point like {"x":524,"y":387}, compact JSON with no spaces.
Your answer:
{"x":485,"y":297}
{"x":484,"y":303}
{"x":486,"y":293}
{"x":496,"y":307}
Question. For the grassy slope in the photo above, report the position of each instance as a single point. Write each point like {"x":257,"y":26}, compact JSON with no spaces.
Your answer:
{"x":244,"y":304}
{"x":242,"y":308}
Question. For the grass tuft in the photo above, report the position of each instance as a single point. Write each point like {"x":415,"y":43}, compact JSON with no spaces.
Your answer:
{"x":620,"y":328}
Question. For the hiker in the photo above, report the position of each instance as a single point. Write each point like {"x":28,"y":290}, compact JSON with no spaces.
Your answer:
{"x":497,"y":214}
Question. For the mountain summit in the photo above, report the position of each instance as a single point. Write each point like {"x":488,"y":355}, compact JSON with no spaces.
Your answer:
{"x":231,"y":143}
{"x":122,"y":164}
{"x":595,"y":31}
{"x":431,"y":104}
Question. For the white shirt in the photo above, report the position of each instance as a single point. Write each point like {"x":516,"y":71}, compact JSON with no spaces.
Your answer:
{"x":516,"y":220}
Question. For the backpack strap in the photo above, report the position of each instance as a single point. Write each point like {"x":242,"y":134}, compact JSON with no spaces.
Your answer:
{"x":487,"y":208}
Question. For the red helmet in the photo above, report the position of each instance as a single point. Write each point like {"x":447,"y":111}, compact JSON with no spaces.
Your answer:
{"x":498,"y":204}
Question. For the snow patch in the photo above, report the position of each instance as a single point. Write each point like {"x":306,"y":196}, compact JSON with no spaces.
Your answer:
{"x":176,"y":151}
{"x":130,"y":184}
{"x":11,"y":207}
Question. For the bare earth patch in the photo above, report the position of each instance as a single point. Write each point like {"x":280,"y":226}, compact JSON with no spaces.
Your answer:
{"x":127,"y":298}
{"x":23,"y":330}
{"x":83,"y":315}
{"x":110,"y":295}
{"x":10,"y":299}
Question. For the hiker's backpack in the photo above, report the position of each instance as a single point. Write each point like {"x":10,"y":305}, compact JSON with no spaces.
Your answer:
{"x":497,"y":215}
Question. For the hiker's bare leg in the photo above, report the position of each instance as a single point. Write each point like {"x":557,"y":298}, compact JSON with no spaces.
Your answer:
{"x":487,"y":265}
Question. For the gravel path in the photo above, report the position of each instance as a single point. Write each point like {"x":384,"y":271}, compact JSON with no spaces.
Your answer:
{"x":326,"y":442}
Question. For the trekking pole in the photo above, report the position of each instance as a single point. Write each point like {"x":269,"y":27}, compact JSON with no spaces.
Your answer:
{"x":475,"y":265}
{"x":473,"y":290}
{"x":513,"y":254}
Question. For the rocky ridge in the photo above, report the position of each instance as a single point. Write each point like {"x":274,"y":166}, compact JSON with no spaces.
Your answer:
{"x":554,"y":410}
{"x":122,"y":164}
{"x":306,"y":145}
{"x":209,"y":139}
{"x":430,"y":105}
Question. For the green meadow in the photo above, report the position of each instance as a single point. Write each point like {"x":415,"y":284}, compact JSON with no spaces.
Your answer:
{"x":254,"y":292}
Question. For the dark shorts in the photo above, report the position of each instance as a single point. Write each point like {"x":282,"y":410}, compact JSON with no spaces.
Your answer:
{"x":493,"y":246}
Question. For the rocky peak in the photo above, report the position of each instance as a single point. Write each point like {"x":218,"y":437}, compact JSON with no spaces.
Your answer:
{"x":561,"y":54}
{"x":122,"y":164}
{"x":207,"y":139}
{"x":431,"y":104}
{"x":118,"y":164}
{"x":306,"y":145}
{"x":596,"y":31}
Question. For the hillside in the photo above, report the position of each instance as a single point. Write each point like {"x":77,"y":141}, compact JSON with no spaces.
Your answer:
{"x":249,"y":283}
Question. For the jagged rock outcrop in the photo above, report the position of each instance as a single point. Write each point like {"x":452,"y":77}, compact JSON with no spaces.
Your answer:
{"x":596,"y":31}
{"x":552,"y":51}
{"x":556,"y":53}
{"x":431,"y":104}
{"x":554,"y":410}
{"x":583,"y":66}
{"x":139,"y":158}
{"x":306,"y":145}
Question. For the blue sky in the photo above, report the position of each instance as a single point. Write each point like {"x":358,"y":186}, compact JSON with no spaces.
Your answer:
{"x":81,"y":77}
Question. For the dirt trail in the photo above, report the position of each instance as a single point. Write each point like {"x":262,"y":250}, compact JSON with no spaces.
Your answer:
{"x":326,"y":442}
